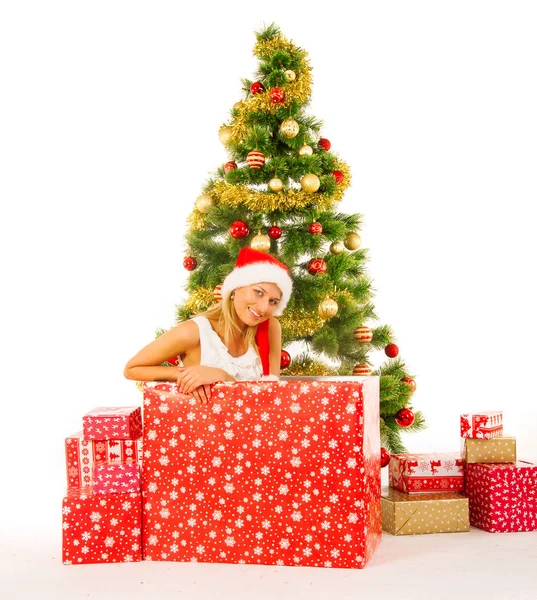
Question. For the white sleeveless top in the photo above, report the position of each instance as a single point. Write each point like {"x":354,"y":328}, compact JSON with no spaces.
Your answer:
{"x":214,"y":353}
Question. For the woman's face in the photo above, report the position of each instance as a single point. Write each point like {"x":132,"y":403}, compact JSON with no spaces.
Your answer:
{"x":257,"y":302}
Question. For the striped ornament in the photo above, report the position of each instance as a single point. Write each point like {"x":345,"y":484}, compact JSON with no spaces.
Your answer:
{"x":218,"y":292}
{"x":363,"y":334}
{"x":255,"y":159}
{"x":361,"y":370}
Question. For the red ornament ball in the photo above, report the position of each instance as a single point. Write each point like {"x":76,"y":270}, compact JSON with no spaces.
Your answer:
{"x":404,"y":417}
{"x":255,"y":159}
{"x":409,"y":381}
{"x":256,"y":88}
{"x":315,"y":228}
{"x":277,"y":95}
{"x":230,"y":166}
{"x":239,"y":230}
{"x":285,"y":359}
{"x":190,"y":263}
{"x":384,"y":458}
{"x":275,"y":233}
{"x":325,"y":144}
{"x":338,"y":176}
{"x":174,"y":360}
{"x":391,"y":350}
{"x":218,"y":292}
{"x":362,"y":370}
{"x":317,"y":266}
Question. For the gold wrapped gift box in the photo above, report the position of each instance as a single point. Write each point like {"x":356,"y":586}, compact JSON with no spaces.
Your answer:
{"x":435,"y":512}
{"x":495,"y":450}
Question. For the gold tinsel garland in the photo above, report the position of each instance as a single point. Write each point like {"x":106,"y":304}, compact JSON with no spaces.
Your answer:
{"x":309,"y":369}
{"x":298,"y":90}
{"x":199,"y":300}
{"x":299,"y":323}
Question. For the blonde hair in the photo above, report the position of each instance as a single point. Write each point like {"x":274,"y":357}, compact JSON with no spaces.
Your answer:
{"x":228,"y":321}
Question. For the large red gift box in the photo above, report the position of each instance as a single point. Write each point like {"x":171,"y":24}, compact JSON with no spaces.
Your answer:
{"x":110,"y":478}
{"x":101,"y":528}
{"x":279,"y":473}
{"x":436,"y":472}
{"x":113,"y":423}
{"x":483,"y":425}
{"x":502,"y":496}
{"x":81,"y":455}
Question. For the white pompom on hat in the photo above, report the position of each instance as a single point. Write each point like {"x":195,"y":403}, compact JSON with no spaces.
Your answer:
{"x":253,"y":266}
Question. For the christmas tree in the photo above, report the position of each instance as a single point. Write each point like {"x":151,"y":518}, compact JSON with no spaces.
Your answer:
{"x":278,"y":193}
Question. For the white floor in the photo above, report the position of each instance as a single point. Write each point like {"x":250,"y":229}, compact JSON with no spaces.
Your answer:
{"x":470,"y":565}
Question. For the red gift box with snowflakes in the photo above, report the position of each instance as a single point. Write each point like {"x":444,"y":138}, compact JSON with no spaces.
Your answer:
{"x":502,"y":496}
{"x":101,"y":528}
{"x":111,"y":478}
{"x":436,"y":472}
{"x":483,"y":425}
{"x":279,"y":473}
{"x":81,"y":455}
{"x":112,"y":423}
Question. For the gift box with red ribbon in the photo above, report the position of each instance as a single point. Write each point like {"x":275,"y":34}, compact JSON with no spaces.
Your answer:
{"x":281,"y":473}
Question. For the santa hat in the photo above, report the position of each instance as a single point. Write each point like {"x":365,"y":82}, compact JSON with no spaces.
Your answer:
{"x":257,"y":267}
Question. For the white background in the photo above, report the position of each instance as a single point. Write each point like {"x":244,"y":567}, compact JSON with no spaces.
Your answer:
{"x":109,"y":114}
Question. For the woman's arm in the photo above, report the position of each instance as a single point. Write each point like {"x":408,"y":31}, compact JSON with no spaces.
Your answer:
{"x":275,"y":345}
{"x":146,"y":364}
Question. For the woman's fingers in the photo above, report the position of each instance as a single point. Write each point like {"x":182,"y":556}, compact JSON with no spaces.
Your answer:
{"x":199,"y":394}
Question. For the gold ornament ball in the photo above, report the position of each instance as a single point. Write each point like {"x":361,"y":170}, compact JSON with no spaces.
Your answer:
{"x":289,"y":128}
{"x":353,"y":241}
{"x":305,"y":150}
{"x":224,"y":134}
{"x":337,"y":247}
{"x":290,"y":75}
{"x":261,"y":242}
{"x":203,"y":203}
{"x":238,"y":105}
{"x":328,"y":308}
{"x":310,"y":183}
{"x":275,"y":184}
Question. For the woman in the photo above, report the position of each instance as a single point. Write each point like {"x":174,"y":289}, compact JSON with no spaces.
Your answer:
{"x":220,"y":344}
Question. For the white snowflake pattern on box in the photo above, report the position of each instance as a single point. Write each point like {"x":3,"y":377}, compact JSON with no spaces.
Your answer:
{"x":281,"y":473}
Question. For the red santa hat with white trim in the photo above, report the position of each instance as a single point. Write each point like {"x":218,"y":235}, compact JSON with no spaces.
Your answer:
{"x":252,"y":267}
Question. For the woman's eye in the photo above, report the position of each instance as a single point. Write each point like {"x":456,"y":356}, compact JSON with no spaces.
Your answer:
{"x":259,"y":292}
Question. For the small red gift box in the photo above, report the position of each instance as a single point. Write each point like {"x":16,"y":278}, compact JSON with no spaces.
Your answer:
{"x":502,"y":496}
{"x":436,"y":472}
{"x":110,"y":478}
{"x":484,"y":425}
{"x":113,"y":423}
{"x":282,"y":473}
{"x":101,"y":529}
{"x":81,"y":455}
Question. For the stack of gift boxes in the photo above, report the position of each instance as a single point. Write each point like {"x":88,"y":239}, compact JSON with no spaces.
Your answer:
{"x":279,"y":473}
{"x":484,"y":485}
{"x":102,"y":507}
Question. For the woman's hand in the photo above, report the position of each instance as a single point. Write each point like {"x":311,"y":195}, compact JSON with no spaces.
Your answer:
{"x":196,"y":380}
